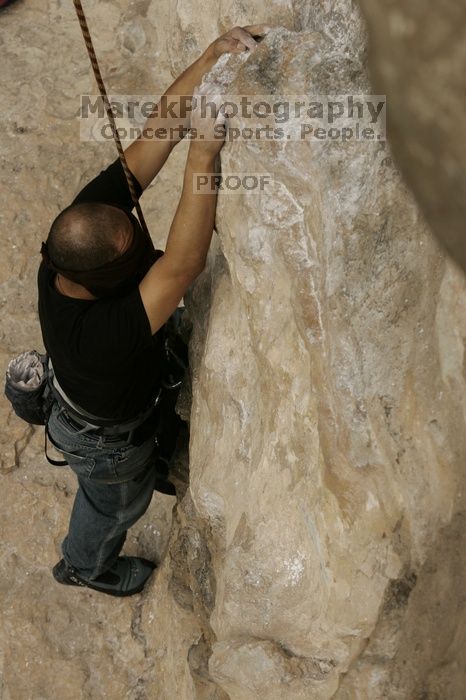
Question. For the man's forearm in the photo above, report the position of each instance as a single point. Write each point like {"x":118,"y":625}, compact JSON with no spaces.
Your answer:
{"x":161,"y":132}
{"x":173,"y":109}
{"x":190,"y":78}
{"x":147,"y":154}
{"x":191,"y":231}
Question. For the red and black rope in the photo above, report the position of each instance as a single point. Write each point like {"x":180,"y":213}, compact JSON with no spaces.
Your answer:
{"x":103,"y":93}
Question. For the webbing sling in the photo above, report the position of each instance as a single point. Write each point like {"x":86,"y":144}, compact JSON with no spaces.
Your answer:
{"x":78,"y":414}
{"x":93,"y":422}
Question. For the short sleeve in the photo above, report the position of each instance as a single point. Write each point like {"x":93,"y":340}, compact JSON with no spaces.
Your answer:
{"x":109,"y":186}
{"x":117,"y":329}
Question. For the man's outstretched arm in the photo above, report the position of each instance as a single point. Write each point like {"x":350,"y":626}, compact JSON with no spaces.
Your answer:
{"x":146,"y":156}
{"x":191,"y":231}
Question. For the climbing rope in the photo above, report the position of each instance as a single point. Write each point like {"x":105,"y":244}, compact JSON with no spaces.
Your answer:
{"x":103,"y":93}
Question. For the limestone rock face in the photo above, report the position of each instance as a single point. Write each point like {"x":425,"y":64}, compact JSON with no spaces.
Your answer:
{"x":418,"y":59}
{"x":318,"y":550}
{"x":327,"y":448}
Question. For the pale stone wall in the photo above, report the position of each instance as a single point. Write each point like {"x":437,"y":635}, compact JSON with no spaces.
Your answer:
{"x":319,"y":549}
{"x":418,"y":59}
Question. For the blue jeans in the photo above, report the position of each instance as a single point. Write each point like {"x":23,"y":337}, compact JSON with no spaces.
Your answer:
{"x":116,"y":483}
{"x":116,"y":480}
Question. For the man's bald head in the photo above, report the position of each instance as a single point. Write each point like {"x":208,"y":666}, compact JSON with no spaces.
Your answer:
{"x":88,"y":235}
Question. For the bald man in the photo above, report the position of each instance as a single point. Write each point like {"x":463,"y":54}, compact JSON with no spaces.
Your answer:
{"x":105,"y":297}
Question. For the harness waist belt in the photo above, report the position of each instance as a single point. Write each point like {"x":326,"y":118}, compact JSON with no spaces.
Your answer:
{"x":89,"y":420}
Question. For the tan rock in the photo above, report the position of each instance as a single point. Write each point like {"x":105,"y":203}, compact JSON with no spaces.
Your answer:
{"x":418,"y":59}
{"x":327,"y":426}
{"x":319,"y":549}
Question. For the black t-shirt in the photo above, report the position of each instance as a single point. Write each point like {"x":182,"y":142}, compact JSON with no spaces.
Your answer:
{"x":103,"y":352}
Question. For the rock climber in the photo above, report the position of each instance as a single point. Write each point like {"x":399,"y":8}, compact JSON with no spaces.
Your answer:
{"x":106,"y":298}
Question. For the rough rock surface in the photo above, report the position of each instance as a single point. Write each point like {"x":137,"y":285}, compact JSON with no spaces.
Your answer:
{"x":319,"y":549}
{"x":418,"y":59}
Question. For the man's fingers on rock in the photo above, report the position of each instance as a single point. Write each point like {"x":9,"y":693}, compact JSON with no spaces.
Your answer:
{"x":239,"y":48}
{"x":244,"y":37}
{"x":221,"y":117}
{"x":235,"y":46}
{"x":218,"y":102}
{"x":257,"y":29}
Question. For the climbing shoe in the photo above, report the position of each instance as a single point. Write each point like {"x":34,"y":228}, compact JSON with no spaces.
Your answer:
{"x":126,"y":577}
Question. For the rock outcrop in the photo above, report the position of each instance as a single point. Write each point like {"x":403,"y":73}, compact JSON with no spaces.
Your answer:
{"x":318,"y":549}
{"x":418,"y":59}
